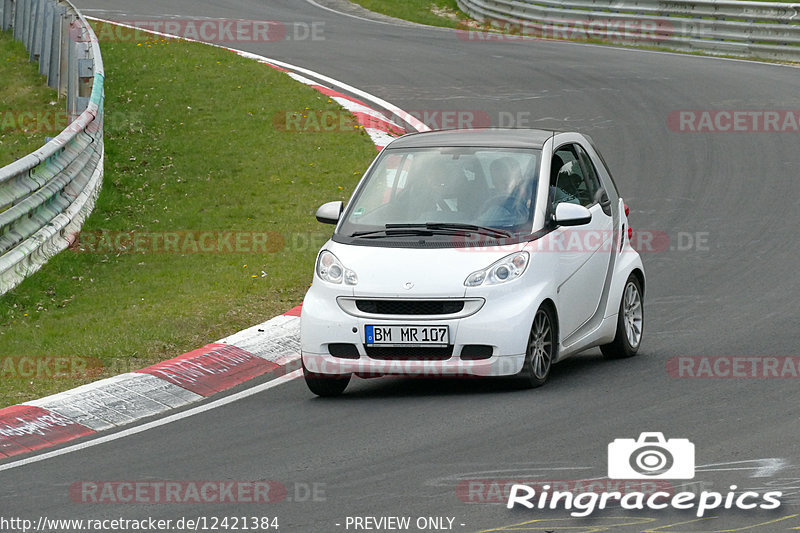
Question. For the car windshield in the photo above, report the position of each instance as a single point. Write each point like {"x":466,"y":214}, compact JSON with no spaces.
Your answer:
{"x":445,"y":191}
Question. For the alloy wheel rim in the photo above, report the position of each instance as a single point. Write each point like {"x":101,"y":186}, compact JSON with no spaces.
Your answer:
{"x":632,"y":315}
{"x":541,"y":345}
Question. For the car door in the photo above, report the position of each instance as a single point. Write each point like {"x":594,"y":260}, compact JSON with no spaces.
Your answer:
{"x":583,"y":250}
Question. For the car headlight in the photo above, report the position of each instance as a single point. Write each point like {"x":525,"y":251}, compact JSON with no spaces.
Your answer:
{"x":507,"y":269}
{"x":330,"y":269}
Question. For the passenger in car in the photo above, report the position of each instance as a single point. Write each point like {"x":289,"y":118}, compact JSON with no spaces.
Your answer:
{"x":512,"y":195}
{"x":562,"y":187}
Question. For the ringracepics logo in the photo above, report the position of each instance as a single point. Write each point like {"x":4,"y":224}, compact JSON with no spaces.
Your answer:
{"x":650,"y":456}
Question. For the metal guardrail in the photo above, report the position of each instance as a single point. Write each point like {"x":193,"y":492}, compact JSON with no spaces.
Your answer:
{"x":46,"y":195}
{"x":751,"y":29}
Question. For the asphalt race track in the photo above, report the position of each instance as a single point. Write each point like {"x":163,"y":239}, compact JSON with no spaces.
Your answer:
{"x":725,"y":285}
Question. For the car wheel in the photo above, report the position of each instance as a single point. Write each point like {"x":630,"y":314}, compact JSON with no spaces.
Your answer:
{"x":541,"y":350}
{"x":630,"y":323}
{"x":325,"y":385}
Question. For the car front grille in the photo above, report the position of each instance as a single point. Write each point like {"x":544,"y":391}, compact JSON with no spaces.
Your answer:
{"x":410,"y":307}
{"x":409,"y":354}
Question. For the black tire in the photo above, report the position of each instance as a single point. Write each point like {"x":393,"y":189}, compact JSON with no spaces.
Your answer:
{"x":541,"y":351}
{"x":630,"y":323}
{"x":325,"y":385}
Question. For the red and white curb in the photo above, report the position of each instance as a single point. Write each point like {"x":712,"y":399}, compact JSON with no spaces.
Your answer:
{"x":120,"y":400}
{"x":271,"y":347}
{"x":379,"y":128}
{"x":25,"y":428}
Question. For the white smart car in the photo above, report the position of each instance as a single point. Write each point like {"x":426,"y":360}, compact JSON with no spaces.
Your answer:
{"x":494,"y":252}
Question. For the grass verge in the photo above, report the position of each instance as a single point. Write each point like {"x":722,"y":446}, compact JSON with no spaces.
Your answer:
{"x":191,"y":147}
{"x":29,"y":109}
{"x":432,"y":12}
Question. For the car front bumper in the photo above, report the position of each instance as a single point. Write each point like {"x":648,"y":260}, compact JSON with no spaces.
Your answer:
{"x":502,"y":324}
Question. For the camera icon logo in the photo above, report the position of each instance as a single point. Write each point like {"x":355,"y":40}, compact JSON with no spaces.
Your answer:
{"x":651,"y":457}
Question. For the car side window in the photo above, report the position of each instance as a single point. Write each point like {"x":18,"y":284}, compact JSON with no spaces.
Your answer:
{"x":592,"y":182}
{"x":566,"y":177}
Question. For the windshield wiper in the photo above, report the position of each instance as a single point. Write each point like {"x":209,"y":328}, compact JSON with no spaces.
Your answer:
{"x":393,"y":230}
{"x":432,"y":228}
{"x":390,"y":232}
{"x":469,"y":228}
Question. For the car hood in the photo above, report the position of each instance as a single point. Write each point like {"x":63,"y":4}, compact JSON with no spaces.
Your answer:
{"x":431,"y":272}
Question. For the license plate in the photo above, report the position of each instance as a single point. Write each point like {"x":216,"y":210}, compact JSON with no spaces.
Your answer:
{"x":399,"y":336}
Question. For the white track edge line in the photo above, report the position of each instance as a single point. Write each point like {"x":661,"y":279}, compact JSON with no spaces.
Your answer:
{"x":351,"y":15}
{"x":412,"y":120}
{"x":411,"y":24}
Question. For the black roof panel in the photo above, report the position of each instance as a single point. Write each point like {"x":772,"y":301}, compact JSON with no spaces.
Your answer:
{"x":489,"y":137}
